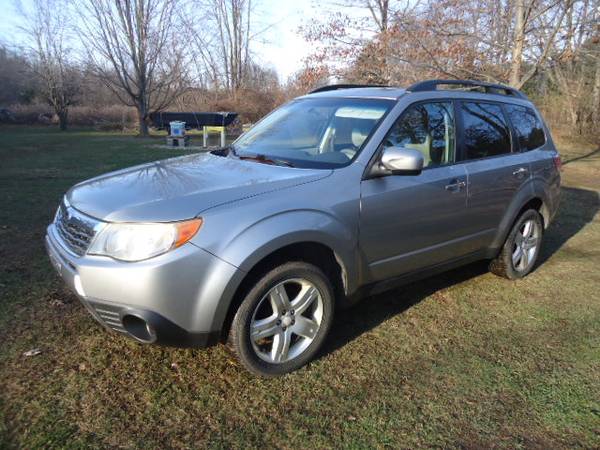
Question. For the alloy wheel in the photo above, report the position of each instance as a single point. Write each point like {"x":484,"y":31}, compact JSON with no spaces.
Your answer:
{"x":286,"y":320}
{"x":525,"y":245}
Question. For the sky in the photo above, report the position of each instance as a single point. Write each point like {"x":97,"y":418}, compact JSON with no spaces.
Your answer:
{"x":279,"y":46}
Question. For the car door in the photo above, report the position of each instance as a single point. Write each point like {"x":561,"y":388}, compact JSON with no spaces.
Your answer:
{"x":408,"y":222}
{"x":495,"y":171}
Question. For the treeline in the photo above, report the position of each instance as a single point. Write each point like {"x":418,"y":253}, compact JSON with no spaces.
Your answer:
{"x":111,"y":64}
{"x":23,"y":97}
{"x":548,"y":48}
{"x":81,"y":58}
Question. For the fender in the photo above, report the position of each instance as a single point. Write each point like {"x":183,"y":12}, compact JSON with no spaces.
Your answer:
{"x":532,"y":189}
{"x":249,"y":245}
{"x":274,"y":232}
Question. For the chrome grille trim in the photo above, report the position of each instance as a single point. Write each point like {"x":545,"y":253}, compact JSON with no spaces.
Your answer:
{"x":75,"y":229}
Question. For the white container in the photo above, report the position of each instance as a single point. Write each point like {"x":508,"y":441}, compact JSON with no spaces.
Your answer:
{"x":177,"y":128}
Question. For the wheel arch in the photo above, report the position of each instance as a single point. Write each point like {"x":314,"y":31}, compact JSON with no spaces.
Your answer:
{"x":531,"y":197}
{"x":312,"y":252}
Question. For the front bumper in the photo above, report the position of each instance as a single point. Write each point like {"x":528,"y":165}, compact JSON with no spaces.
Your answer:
{"x":179,"y":298}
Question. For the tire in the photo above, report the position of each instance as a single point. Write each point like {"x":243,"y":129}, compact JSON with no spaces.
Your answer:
{"x":519,"y":253}
{"x":295,"y":297}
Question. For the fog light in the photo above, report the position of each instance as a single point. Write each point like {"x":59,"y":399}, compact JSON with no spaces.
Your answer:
{"x":78,"y":286}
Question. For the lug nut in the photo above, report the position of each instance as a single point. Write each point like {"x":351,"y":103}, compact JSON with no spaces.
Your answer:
{"x":279,"y":322}
{"x":292,"y":312}
{"x":283,"y":328}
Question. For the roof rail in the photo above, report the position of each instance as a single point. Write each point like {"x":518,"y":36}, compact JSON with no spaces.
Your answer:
{"x":489,"y":88}
{"x":335,"y":87}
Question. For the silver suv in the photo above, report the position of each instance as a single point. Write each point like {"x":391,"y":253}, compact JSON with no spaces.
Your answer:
{"x":332,"y":197}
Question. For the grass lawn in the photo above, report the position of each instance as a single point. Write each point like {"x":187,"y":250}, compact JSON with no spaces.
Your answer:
{"x":464,"y":360}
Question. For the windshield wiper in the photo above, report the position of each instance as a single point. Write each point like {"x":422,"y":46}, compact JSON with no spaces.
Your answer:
{"x":262,"y":159}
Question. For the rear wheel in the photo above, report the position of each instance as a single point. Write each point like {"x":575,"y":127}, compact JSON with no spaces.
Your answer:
{"x":522,"y":247}
{"x":284,"y":319}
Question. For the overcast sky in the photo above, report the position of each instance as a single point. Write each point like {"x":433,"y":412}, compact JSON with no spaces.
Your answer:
{"x":280,"y":46}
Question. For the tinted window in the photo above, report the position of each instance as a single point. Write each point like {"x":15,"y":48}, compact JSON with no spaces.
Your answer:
{"x":429,"y":128}
{"x":527,"y":125}
{"x":485,"y":130}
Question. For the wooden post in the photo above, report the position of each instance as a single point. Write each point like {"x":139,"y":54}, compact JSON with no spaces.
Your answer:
{"x":204,"y":136}
{"x":223,"y":116}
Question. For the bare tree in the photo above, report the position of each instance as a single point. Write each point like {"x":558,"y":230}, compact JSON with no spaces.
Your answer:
{"x":596,"y":97}
{"x":594,"y":54}
{"x":222,"y":41}
{"x":45,"y":23}
{"x":537,"y":23}
{"x":574,"y":65}
{"x":505,"y":41}
{"x":362,"y":31}
{"x":396,"y":40}
{"x":131,"y":48}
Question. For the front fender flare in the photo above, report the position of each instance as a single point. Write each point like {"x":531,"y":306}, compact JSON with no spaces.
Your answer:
{"x":274,"y":232}
{"x":257,"y":241}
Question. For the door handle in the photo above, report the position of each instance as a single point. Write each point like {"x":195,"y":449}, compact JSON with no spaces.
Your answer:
{"x":455,"y":185}
{"x":520,"y":171}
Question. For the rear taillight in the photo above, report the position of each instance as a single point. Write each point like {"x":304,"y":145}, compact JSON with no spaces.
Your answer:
{"x":557,"y":162}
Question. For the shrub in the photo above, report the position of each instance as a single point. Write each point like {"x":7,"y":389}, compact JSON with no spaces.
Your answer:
{"x":105,"y":118}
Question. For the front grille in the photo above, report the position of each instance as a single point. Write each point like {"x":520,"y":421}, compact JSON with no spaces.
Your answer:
{"x":75,"y":229}
{"x":108,"y":315}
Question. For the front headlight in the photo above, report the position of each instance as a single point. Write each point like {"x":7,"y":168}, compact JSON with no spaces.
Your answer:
{"x":138,"y":241}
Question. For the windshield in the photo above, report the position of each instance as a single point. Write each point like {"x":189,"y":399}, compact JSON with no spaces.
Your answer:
{"x":313,"y":132}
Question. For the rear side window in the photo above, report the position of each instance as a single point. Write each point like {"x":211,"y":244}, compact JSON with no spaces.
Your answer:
{"x":528,"y":127}
{"x":485,"y":130}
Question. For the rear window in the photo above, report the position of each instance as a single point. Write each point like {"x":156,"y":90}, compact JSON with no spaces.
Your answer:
{"x":485,"y":130}
{"x":530,"y":132}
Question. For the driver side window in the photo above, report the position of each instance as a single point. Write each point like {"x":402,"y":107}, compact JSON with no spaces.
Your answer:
{"x":429,"y":128}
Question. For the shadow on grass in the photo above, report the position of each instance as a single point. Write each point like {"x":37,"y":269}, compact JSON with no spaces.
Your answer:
{"x":372,"y":311}
{"x":578,"y":208}
{"x":587,"y":155}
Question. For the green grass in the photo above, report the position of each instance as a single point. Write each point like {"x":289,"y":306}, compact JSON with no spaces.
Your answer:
{"x":464,"y":360}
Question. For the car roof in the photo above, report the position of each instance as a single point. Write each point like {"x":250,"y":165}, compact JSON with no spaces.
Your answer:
{"x":427,"y":88}
{"x":394,"y":93}
{"x":390,"y":93}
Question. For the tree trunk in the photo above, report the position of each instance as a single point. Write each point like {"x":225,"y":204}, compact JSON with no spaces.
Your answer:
{"x":62,"y":120}
{"x":142,"y":115}
{"x":517,"y":45}
{"x":596,"y":98}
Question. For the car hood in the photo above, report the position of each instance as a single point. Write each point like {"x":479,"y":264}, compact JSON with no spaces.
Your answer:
{"x":181,"y":188}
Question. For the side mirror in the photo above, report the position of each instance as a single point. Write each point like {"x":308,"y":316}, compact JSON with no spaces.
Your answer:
{"x":400,"y":161}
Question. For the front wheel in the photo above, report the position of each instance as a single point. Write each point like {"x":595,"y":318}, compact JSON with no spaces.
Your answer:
{"x":284,"y":319}
{"x":522,"y":247}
